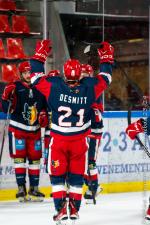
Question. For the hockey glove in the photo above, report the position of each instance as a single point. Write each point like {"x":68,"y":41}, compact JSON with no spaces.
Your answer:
{"x":43,"y":49}
{"x":9,"y":92}
{"x":106,"y":53}
{"x":53,"y":73}
{"x":135,"y":128}
{"x":43,"y":118}
{"x":10,"y":96}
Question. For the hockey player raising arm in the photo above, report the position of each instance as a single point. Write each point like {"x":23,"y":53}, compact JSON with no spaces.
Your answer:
{"x":27,"y":114}
{"x":71,"y":103}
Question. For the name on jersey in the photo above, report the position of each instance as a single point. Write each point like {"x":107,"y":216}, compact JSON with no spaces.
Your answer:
{"x":73,"y":99}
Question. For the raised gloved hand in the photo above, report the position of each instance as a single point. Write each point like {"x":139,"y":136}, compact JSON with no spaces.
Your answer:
{"x":53,"y":73}
{"x":9,"y":92}
{"x":43,"y":49}
{"x":43,"y":118}
{"x":106,"y":53}
{"x":135,"y":128}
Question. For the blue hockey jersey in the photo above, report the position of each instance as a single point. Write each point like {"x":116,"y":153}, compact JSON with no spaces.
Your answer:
{"x":29,"y":103}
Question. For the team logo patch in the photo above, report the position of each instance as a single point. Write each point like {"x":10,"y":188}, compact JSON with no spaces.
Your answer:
{"x":30,"y":113}
{"x":55,"y":164}
{"x":20,"y":144}
{"x":37,"y":145}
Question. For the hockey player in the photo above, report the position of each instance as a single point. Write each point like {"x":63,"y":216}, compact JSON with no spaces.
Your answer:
{"x":27,"y":108}
{"x":70,"y":102}
{"x":94,"y":138}
{"x":140,"y":126}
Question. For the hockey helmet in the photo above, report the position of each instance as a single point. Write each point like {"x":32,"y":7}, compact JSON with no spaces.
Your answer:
{"x":24,"y":66}
{"x":72,"y":70}
{"x":87,"y":69}
{"x":53,"y":73}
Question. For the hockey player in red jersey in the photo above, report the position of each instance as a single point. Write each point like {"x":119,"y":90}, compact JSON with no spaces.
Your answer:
{"x":94,"y":139}
{"x":70,"y":102}
{"x":134,"y":129}
{"x":27,"y":108}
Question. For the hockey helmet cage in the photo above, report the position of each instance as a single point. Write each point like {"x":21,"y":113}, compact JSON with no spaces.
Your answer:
{"x":24,"y":66}
{"x":72,"y":70}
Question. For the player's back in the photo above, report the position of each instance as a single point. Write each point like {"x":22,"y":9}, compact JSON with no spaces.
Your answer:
{"x":71,"y":108}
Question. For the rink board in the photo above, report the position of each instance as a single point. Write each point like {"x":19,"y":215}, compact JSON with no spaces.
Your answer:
{"x":122,"y":164}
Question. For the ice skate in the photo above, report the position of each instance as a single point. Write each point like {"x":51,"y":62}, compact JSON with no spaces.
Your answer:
{"x":147,"y":217}
{"x":34,"y":195}
{"x":89,"y":196}
{"x":22,"y":194}
{"x":61,"y":216}
{"x":73,"y":211}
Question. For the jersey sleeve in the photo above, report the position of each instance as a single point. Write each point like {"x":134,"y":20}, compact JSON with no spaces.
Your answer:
{"x":104,"y":79}
{"x":98,"y":104}
{"x":96,"y":119}
{"x":38,"y":78}
{"x":5,"y":105}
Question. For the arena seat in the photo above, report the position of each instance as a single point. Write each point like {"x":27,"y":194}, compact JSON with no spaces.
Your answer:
{"x":7,"y":5}
{"x":15,"y":49}
{"x":2,"y":51}
{"x":4,"y":24}
{"x":20,"y":24}
{"x":9,"y":72}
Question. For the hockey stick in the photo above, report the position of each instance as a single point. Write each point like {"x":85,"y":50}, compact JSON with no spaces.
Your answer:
{"x":4,"y":133}
{"x":145,"y":148}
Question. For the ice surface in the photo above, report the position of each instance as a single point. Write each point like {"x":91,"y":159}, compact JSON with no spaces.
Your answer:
{"x":111,"y":209}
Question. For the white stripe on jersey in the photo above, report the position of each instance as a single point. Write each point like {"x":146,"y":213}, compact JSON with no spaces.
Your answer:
{"x":109,"y":77}
{"x":23,"y":126}
{"x":36,"y":76}
{"x":70,"y":129}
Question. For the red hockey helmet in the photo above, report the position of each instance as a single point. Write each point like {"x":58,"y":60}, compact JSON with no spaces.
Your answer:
{"x":24,"y":66}
{"x":72,"y":70}
{"x":53,"y":73}
{"x":86,"y":68}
